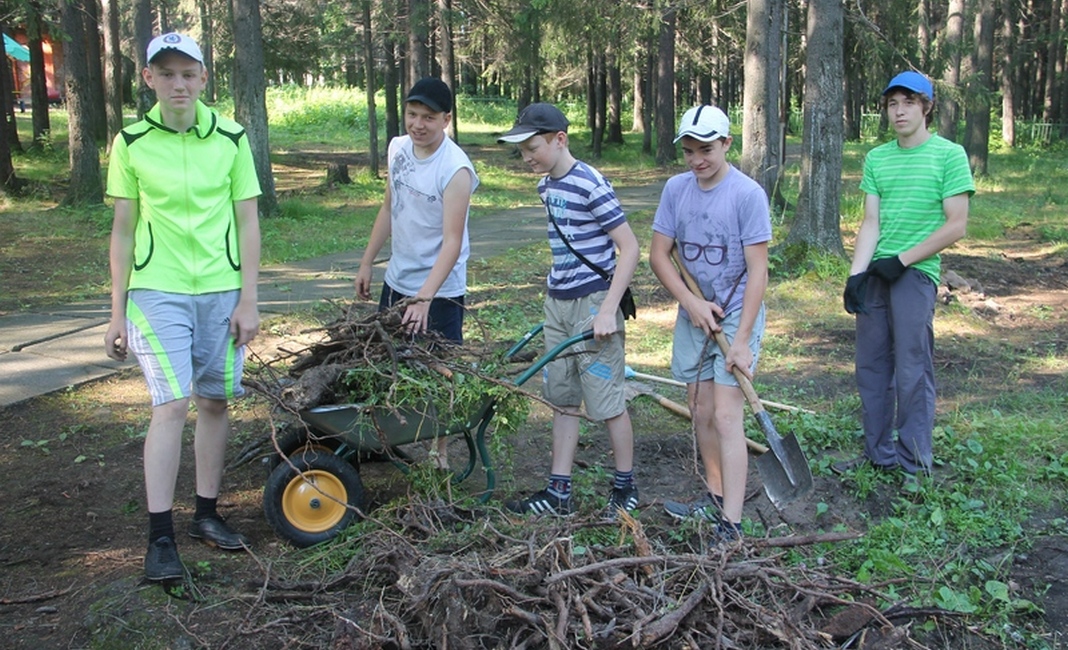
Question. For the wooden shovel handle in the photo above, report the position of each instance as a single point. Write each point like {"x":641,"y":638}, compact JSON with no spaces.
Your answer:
{"x":684,"y":411}
{"x":720,"y":338}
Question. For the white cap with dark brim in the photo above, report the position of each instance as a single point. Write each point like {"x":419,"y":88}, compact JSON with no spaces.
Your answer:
{"x":704,"y":123}
{"x":177,"y":43}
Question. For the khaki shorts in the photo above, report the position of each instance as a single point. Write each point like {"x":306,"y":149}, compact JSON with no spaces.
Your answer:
{"x":690,"y":340}
{"x":589,"y":372}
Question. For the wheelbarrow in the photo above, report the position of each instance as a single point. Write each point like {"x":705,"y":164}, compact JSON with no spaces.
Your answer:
{"x":314,"y":489}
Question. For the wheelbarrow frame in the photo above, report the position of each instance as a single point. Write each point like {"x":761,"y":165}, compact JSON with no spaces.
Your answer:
{"x":354,"y":431}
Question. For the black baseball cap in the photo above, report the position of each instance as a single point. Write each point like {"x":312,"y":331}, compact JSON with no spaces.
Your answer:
{"x":535,"y":119}
{"x":433,"y":92}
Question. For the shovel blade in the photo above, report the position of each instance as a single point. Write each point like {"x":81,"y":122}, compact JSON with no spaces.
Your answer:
{"x":777,"y":484}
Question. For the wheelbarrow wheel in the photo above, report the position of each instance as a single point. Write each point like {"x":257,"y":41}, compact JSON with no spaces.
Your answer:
{"x":296,"y":442}
{"x":313,"y":500}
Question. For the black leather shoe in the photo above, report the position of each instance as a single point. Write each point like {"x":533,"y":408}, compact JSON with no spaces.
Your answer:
{"x":215,"y":532}
{"x":162,"y":562}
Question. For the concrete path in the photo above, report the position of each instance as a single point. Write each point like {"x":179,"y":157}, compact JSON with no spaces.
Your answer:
{"x":46,"y":350}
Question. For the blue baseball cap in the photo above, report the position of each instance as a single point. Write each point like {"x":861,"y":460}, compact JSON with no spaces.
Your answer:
{"x":913,"y":81}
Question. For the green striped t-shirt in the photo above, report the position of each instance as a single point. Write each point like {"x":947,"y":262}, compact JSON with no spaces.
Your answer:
{"x":911,"y":185}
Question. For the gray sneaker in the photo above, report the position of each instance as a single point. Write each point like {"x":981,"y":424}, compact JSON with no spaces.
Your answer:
{"x":707,"y":507}
{"x":625,"y":499}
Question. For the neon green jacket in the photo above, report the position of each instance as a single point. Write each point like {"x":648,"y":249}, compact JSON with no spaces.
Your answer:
{"x":185,"y":184}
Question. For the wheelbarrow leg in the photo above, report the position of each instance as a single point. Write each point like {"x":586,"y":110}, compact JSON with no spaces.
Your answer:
{"x":483,"y":452}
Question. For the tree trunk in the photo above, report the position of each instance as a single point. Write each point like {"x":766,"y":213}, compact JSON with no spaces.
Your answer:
{"x":85,"y":185}
{"x":8,"y":182}
{"x":615,"y":99}
{"x":1051,"y":108}
{"x":112,"y":69}
{"x":391,"y":84}
{"x":817,"y":223}
{"x":599,"y":103}
{"x":762,"y":155}
{"x":146,"y":97}
{"x":977,"y":118}
{"x":250,"y":90}
{"x":854,"y":85}
{"x":418,"y":34}
{"x":38,"y":79}
{"x":638,"y":82}
{"x":207,"y":48}
{"x":1008,"y":72}
{"x":448,"y":59}
{"x":591,"y":88}
{"x":951,"y":46}
{"x":665,"y":88}
{"x":923,"y":32}
{"x":95,"y":68}
{"x":369,"y":74}
{"x":651,"y":81}
{"x":7,"y":97}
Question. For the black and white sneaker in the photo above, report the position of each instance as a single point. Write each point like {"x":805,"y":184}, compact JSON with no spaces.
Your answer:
{"x":542,"y":503}
{"x":707,"y":507}
{"x":625,"y":498}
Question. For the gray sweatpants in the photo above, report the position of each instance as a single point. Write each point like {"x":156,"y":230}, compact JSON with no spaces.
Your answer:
{"x":895,"y":371}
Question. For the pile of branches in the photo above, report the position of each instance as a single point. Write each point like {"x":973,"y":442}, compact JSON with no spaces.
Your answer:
{"x":376,"y":344}
{"x":497,"y":590}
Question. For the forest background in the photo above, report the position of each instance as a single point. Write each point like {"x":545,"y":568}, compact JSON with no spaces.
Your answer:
{"x":976,"y":557}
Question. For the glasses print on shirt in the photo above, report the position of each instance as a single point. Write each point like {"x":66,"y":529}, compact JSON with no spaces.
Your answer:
{"x":711,"y":254}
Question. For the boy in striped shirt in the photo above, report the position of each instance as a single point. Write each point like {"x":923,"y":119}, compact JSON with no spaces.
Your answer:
{"x":583,"y":208}
{"x":917,"y":189}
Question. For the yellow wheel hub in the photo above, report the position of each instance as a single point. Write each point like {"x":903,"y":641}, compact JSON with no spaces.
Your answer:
{"x":307,"y":505}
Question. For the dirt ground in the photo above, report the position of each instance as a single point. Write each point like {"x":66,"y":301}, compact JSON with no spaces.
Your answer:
{"x":72,"y":530}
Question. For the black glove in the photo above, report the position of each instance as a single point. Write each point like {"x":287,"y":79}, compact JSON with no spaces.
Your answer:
{"x":855,"y":290}
{"x":888,"y":268}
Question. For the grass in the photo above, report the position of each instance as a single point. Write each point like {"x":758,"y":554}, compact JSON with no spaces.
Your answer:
{"x":1001,"y":428}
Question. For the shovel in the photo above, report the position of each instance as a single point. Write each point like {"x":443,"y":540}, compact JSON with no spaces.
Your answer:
{"x":634,"y":388}
{"x":785,"y":470}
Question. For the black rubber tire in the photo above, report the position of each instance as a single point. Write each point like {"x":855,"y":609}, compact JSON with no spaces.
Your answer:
{"x":295,"y":442}
{"x":299,"y":512}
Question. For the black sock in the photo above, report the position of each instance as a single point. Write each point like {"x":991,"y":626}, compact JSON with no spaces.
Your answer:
{"x":205,"y":508}
{"x":160,"y":524}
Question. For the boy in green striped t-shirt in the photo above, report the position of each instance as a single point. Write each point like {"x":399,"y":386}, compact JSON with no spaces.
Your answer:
{"x":917,"y":189}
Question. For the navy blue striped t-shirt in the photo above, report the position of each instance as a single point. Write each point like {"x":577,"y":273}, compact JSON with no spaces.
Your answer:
{"x":585,"y":207}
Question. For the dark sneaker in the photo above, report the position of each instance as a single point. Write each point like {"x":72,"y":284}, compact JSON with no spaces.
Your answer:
{"x":625,"y":498}
{"x":707,"y":507}
{"x":162,"y":562}
{"x":725,"y":533}
{"x":214,"y":532}
{"x":542,"y":503}
{"x":728,"y":532}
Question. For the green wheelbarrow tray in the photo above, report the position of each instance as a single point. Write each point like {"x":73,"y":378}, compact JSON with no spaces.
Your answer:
{"x":379,"y":431}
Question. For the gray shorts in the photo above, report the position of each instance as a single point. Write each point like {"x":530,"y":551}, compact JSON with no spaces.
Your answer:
{"x":183,"y":344}
{"x":589,"y":372}
{"x":690,"y":340}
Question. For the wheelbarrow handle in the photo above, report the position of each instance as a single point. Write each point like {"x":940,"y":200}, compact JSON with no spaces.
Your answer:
{"x":551,"y":354}
{"x":523,"y":341}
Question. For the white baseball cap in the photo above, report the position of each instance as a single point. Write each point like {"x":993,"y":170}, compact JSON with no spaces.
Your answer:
{"x":705,"y":123}
{"x":178,"y":43}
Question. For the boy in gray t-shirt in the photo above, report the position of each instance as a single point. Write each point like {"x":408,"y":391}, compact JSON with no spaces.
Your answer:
{"x":719,"y":220}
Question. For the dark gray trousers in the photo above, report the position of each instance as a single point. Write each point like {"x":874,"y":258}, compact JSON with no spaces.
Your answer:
{"x":895,"y":371}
